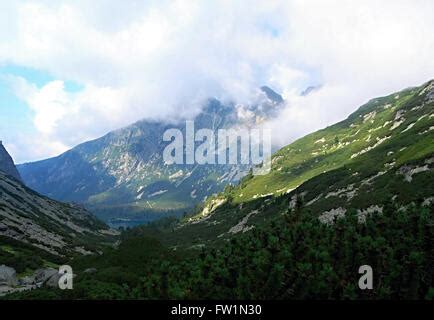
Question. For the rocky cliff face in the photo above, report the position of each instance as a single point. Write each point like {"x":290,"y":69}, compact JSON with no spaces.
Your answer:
{"x":7,"y":164}
{"x":123,"y":175}
{"x":58,"y":228}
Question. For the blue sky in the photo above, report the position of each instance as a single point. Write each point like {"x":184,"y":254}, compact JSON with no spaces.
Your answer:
{"x":15,"y":115}
{"x":69,"y":72}
{"x":13,"y":111}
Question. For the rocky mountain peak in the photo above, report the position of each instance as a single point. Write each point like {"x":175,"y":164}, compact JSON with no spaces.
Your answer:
{"x":272,"y":95}
{"x":126,"y":168}
{"x":7,"y":164}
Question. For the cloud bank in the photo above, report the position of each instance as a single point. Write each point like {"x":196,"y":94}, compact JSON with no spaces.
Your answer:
{"x":161,"y":59}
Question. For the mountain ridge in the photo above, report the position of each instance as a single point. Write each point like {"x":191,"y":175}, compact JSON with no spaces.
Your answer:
{"x":350,"y":198}
{"x":381,"y":155}
{"x":122,"y":174}
{"x":38,"y":233}
{"x":58,"y":228}
{"x":7,"y":164}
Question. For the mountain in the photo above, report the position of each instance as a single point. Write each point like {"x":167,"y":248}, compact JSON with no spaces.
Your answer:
{"x":309,"y":90}
{"x":7,"y":164}
{"x":382,"y":154}
{"x":37,"y":234}
{"x":272,"y":95}
{"x":122,"y":176}
{"x":57,"y":228}
{"x":386,"y":136}
{"x":357,"y":193}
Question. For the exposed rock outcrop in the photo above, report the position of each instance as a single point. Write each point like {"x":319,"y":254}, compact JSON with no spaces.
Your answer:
{"x":7,"y":164}
{"x":8,"y":276}
{"x":58,"y":228}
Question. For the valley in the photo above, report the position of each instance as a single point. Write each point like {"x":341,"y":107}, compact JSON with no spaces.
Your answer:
{"x":122,"y":175}
{"x":356,"y":193}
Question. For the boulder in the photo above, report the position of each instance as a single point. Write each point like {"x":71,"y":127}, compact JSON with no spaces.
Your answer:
{"x":53,"y":281}
{"x":43,"y":275}
{"x":8,"y":276}
{"x":4,"y":290}
{"x":27,"y":281}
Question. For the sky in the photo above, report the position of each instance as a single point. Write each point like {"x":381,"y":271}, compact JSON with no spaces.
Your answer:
{"x":71,"y":71}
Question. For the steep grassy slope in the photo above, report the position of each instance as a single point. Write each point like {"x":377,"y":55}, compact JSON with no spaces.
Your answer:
{"x":383,"y":152}
{"x":400,"y":123}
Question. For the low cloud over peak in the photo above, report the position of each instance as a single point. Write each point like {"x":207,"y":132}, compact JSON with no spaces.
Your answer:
{"x":162,"y":59}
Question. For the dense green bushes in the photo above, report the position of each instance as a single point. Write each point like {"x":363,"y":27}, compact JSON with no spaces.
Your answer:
{"x":295,"y":257}
{"x":24,"y":257}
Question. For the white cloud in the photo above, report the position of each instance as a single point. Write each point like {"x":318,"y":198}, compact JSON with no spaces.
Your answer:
{"x":160,"y":59}
{"x":50,"y":104}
